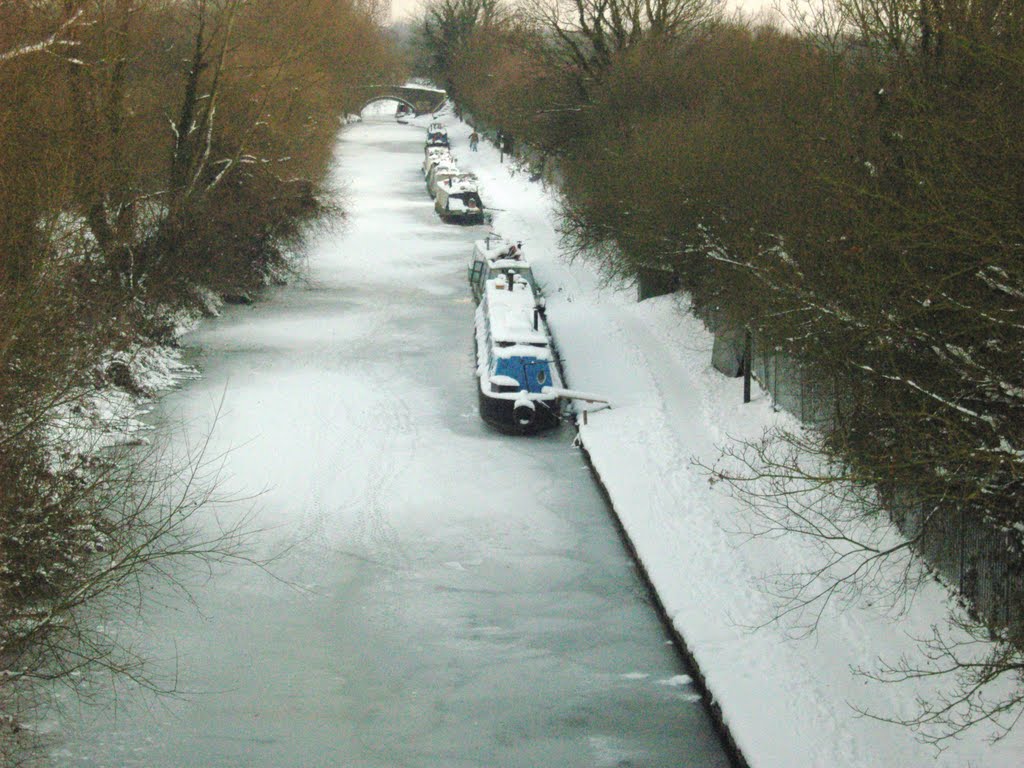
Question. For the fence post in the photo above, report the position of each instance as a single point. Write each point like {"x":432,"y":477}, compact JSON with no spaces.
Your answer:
{"x":748,"y":346}
{"x":962,"y":543}
{"x":803,"y":393}
{"x":1007,"y":592}
{"x":775,"y":380}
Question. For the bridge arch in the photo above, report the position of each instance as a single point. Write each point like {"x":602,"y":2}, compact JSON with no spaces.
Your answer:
{"x":389,"y":97}
{"x":420,"y":100}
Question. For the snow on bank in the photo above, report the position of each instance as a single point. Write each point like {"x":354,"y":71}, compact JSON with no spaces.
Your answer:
{"x":110,"y":413}
{"x":787,"y":702}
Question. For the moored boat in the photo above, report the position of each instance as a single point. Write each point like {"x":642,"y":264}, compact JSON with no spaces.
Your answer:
{"x":434,"y":155}
{"x":518,"y":375}
{"x":437,"y":136}
{"x":441,"y":172}
{"x":494,"y":256}
{"x":458,"y":201}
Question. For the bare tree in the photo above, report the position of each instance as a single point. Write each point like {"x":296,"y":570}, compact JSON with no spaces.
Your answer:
{"x":974,"y":667}
{"x":213,"y":26}
{"x":378,"y":10}
{"x":590,"y":33}
{"x":57,"y":39}
{"x":933,"y":29}
{"x":892,"y":26}
{"x":446,"y":27}
{"x":978,"y":676}
{"x":114,"y":529}
{"x":825,"y":22}
{"x":791,"y":489}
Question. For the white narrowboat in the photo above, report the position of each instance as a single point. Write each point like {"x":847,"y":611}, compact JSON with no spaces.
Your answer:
{"x":443,"y":171}
{"x":458,"y":201}
{"x":434,"y":155}
{"x":495,"y":256}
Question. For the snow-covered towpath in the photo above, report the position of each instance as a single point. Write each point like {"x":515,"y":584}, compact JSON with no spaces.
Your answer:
{"x":465,"y":598}
{"x":789,"y":703}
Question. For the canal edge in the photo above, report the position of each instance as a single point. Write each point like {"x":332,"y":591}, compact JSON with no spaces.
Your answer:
{"x":708,"y":699}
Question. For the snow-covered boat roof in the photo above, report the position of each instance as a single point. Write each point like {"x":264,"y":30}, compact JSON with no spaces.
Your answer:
{"x":501,"y":253}
{"x":431,"y":160}
{"x":511,"y":316}
{"x":459,"y":205}
{"x":459,"y":185}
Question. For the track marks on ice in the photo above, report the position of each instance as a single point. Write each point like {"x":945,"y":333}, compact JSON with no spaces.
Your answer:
{"x":351,"y":510}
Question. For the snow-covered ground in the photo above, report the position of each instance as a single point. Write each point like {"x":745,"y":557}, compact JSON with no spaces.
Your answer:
{"x":787,"y":702}
{"x":112,"y":414}
{"x":442,"y":623}
{"x":449,"y":597}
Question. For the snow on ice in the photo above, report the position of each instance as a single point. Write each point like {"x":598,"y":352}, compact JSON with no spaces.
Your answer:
{"x":787,"y":701}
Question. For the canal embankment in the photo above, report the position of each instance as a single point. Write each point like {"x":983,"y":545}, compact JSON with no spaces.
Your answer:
{"x":787,"y":696}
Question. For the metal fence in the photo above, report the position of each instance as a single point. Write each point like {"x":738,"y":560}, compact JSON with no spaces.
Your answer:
{"x":795,"y":388}
{"x":976,"y":556}
{"x":981,"y":559}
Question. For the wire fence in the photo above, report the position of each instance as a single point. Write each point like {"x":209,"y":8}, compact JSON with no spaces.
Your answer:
{"x":978,"y":557}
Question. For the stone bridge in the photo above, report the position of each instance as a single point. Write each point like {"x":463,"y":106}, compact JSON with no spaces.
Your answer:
{"x":420,"y":99}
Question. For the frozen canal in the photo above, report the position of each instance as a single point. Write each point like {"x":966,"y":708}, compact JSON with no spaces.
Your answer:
{"x":466,"y":601}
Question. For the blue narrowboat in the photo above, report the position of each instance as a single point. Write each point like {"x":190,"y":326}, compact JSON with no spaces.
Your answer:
{"x":518,"y":375}
{"x":437,"y":136}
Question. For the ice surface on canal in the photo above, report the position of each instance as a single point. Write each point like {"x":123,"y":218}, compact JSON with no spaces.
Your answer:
{"x":456,"y":598}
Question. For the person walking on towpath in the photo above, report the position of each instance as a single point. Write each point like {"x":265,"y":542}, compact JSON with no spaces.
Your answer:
{"x":474,"y":140}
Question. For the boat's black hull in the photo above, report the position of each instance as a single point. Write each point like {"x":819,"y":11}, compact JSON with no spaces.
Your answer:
{"x":499,"y":413}
{"x":448,"y":218}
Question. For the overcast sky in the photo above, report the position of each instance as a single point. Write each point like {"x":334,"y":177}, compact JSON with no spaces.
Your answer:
{"x":401,"y":9}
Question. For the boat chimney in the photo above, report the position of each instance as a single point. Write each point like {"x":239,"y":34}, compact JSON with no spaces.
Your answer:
{"x":511,"y":279}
